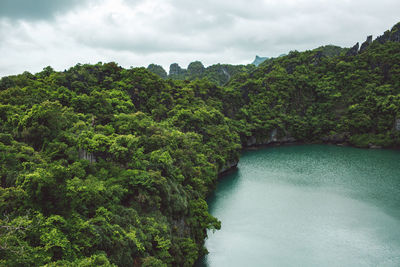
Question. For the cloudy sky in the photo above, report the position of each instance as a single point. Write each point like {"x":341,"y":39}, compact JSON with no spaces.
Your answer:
{"x":62,"y":33}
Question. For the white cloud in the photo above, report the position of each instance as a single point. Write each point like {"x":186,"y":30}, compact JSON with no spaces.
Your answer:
{"x":137,"y":33}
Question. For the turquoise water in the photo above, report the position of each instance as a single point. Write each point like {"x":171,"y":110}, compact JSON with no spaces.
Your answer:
{"x":310,"y":205}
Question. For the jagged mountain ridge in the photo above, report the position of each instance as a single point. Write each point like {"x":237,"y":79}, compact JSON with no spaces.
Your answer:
{"x":392,"y":35}
{"x":218,"y":73}
{"x":258,"y":60}
{"x":224,"y":72}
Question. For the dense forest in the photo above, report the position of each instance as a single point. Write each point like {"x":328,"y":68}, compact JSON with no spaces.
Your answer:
{"x":106,"y":166}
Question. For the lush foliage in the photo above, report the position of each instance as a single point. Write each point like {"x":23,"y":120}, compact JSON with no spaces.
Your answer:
{"x":105,"y":166}
{"x":310,"y":97}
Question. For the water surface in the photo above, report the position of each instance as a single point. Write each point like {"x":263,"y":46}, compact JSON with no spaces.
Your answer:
{"x":310,"y":205}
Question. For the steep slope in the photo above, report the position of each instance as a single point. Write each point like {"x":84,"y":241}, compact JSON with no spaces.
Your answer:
{"x":310,"y":96}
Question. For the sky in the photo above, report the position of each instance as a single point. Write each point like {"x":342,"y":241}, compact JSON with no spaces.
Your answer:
{"x":133,"y":33}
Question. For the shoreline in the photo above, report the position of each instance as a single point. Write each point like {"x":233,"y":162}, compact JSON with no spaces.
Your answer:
{"x":226,"y":171}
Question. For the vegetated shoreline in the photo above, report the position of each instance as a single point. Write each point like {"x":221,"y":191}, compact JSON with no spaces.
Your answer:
{"x":233,"y":167}
{"x":345,"y":177}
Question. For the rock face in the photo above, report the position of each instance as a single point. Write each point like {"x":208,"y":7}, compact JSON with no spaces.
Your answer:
{"x":384,"y":37}
{"x":176,"y":70}
{"x":397,"y":124}
{"x":395,"y":33}
{"x":271,"y":139}
{"x":83,"y":154}
{"x":253,"y":141}
{"x":354,"y":50}
{"x":228,"y":165}
{"x":372,"y":146}
{"x":258,"y":60}
{"x":226,"y":73}
{"x":392,"y":35}
{"x":366,"y":43}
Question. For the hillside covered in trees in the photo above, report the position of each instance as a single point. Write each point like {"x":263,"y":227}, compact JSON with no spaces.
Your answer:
{"x":105,"y":166}
{"x":219,"y":74}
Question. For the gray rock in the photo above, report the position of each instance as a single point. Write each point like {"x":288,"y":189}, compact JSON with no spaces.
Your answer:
{"x":273,"y":135}
{"x":395,"y":36}
{"x":228,"y":165}
{"x":372,"y":146}
{"x":251,"y":141}
{"x":175,"y":69}
{"x":383,"y":38}
{"x":366,"y":43}
{"x":397,"y":124}
{"x":353,"y":51}
{"x":392,"y":35}
{"x":270,"y":139}
{"x":83,"y":154}
{"x":258,"y":60}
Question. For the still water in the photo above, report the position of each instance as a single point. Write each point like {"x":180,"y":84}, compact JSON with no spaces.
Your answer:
{"x":310,"y":205}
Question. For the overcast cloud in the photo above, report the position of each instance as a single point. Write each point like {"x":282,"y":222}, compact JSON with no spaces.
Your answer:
{"x":39,"y":33}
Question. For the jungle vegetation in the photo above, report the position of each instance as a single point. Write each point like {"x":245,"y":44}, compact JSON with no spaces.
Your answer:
{"x":106,"y":166}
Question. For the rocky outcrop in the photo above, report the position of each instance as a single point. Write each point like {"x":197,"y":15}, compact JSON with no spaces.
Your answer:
{"x":180,"y":227}
{"x":176,"y":70}
{"x":397,"y":124}
{"x":392,"y":35}
{"x":271,"y":139}
{"x":372,"y":146}
{"x":226,"y":73}
{"x":83,"y":154}
{"x":258,"y":60}
{"x":251,"y":141}
{"x":366,"y":43}
{"x":395,"y":33}
{"x":383,"y":38}
{"x":353,"y":51}
{"x":255,"y":142}
{"x":228,"y":166}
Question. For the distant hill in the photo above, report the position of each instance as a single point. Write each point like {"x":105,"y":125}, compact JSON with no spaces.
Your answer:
{"x":217,"y":73}
{"x":258,"y":60}
{"x":331,"y":50}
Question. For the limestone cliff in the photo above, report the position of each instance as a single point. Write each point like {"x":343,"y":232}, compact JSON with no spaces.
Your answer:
{"x":258,"y":60}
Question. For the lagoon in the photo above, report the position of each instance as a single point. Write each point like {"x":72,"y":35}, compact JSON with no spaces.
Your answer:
{"x":308,"y":205}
